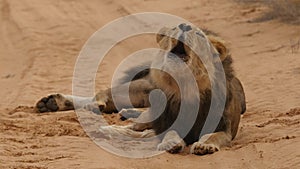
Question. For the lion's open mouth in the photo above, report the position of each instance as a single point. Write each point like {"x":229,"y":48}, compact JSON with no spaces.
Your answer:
{"x":180,"y":52}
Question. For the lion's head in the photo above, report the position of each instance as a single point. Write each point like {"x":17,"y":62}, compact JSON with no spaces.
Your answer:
{"x":189,"y":47}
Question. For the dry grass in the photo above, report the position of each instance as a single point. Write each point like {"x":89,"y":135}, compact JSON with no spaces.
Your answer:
{"x":285,"y":10}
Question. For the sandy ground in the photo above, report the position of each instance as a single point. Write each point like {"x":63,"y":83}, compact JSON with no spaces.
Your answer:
{"x":40,"y":41}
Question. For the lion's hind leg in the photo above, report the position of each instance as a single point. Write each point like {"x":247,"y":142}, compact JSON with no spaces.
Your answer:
{"x":60,"y":102}
{"x":54,"y":102}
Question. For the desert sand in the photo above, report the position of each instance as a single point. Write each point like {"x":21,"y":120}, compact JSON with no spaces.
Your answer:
{"x":40,"y":42}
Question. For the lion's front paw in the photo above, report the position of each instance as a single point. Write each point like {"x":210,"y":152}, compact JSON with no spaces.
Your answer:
{"x":171,"y":146}
{"x":199,"y":148}
{"x":53,"y":102}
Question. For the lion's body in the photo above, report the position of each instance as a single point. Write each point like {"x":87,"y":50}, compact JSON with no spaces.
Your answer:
{"x":206,"y":74}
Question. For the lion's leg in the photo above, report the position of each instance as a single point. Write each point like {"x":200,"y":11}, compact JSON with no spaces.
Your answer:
{"x":172,"y":143}
{"x":138,"y":92}
{"x":60,"y":102}
{"x":210,"y":143}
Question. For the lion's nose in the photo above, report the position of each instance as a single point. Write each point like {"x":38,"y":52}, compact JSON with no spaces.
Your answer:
{"x":184,"y":27}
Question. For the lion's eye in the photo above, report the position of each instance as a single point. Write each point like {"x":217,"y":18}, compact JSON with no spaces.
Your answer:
{"x":174,"y":29}
{"x":200,"y":34}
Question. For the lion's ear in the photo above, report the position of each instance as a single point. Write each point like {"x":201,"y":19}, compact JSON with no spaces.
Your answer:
{"x":220,"y":46}
{"x":161,"y":33}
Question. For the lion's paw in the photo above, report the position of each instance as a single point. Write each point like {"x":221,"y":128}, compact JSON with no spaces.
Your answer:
{"x":129,"y":113}
{"x":199,"y":148}
{"x":52,"y":103}
{"x":171,"y":146}
{"x":94,"y":107}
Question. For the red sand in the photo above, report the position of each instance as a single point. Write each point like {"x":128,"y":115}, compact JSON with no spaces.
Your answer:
{"x":40,"y":41}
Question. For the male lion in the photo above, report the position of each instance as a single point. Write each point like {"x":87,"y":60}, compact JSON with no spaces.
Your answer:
{"x":181,"y":56}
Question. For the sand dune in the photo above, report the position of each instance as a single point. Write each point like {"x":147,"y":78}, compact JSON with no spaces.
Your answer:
{"x":40,"y":41}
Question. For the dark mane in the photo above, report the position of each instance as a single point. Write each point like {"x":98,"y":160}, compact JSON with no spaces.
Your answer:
{"x":227,"y":66}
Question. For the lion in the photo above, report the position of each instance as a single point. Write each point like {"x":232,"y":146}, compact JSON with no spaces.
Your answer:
{"x":181,"y":44}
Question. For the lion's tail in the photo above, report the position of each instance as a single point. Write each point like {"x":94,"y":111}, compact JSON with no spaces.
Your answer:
{"x":117,"y":131}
